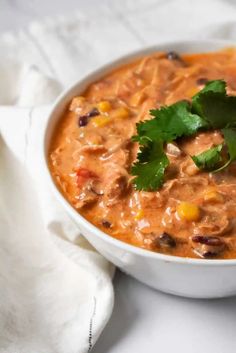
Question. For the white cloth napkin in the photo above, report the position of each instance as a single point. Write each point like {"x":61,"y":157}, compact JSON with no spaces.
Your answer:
{"x":55,"y":296}
{"x":55,"y":291}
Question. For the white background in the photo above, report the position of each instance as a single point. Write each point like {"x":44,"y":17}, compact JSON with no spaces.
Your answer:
{"x":143,"y":320}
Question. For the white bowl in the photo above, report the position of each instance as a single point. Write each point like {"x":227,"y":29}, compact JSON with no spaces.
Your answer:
{"x":195,"y":278}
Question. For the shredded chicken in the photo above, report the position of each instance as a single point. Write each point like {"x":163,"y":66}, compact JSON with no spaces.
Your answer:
{"x":92,"y":154}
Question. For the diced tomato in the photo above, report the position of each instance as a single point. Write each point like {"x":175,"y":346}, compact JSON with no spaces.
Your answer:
{"x":82,"y":175}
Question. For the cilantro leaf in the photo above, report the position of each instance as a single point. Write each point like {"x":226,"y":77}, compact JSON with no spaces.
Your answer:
{"x":211,"y":108}
{"x":169,"y":123}
{"x":230,"y":141}
{"x":219,"y":111}
{"x":215,"y":106}
{"x":210,"y":159}
{"x":150,"y":167}
{"x":216,"y":86}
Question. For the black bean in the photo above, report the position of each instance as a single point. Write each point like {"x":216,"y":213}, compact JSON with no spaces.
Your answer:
{"x":106,"y":224}
{"x":202,"y":81}
{"x":166,"y":240}
{"x":207,"y":240}
{"x":207,"y":246}
{"x":209,"y":254}
{"x":172,"y":55}
{"x":93,"y":112}
{"x":84,"y":119}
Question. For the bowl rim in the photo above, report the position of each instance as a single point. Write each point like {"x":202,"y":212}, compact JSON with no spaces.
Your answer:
{"x":55,"y":113}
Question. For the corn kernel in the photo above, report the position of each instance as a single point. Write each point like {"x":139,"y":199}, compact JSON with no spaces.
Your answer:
{"x":101,"y":120}
{"x":104,"y":106}
{"x":214,"y":196}
{"x":139,"y":215}
{"x":188,"y":211}
{"x":120,"y":113}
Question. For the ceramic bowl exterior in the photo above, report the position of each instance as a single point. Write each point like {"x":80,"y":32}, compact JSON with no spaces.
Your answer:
{"x":195,"y":278}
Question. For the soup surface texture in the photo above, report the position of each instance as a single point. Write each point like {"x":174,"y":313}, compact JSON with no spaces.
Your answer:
{"x":193,"y":213}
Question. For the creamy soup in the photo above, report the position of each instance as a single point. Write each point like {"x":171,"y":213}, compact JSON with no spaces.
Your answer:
{"x":91,"y":153}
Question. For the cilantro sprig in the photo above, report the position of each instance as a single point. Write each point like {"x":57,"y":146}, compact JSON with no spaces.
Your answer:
{"x":211,"y":108}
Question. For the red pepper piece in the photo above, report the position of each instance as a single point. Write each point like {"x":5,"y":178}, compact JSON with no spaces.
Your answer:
{"x":82,"y":175}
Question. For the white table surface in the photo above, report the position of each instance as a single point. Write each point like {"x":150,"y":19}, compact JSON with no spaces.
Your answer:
{"x":143,"y":320}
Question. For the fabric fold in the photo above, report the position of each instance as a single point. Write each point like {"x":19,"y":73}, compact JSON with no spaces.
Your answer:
{"x":56,"y":290}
